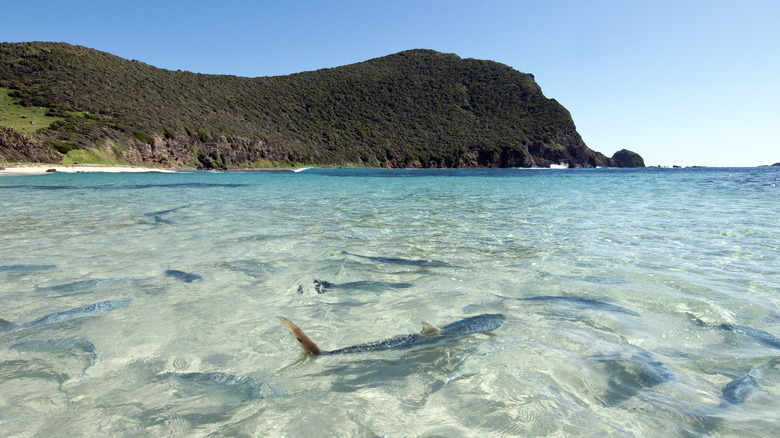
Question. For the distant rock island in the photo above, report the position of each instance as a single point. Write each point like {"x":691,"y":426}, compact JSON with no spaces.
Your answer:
{"x":626,"y":158}
{"x":61,"y":103}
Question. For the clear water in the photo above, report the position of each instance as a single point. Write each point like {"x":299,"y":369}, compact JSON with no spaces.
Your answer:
{"x":682,"y":252}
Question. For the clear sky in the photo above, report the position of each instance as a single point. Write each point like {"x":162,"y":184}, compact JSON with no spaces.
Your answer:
{"x":681,"y":82}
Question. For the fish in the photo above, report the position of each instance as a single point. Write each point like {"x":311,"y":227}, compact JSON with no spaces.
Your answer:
{"x":738,"y":390}
{"x":759,"y":335}
{"x":78,"y":312}
{"x":588,"y":278}
{"x":26,"y":268}
{"x":596,"y":279}
{"x":407,"y":262}
{"x":322,"y":286}
{"x":430,"y":334}
{"x":53,"y":346}
{"x":589,"y":302}
{"x":84,"y":286}
{"x":257,"y":238}
{"x":654,"y":372}
{"x":183,"y":276}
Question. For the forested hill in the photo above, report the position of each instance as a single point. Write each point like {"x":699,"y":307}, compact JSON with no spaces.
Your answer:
{"x":417,"y":108}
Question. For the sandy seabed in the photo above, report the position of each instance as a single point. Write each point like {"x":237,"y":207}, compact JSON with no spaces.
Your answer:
{"x":36,"y":169}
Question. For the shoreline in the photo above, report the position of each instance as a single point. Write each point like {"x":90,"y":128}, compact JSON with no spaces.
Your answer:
{"x":40,"y":169}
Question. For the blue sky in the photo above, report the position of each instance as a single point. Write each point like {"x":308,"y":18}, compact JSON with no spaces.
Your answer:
{"x":680,"y":82}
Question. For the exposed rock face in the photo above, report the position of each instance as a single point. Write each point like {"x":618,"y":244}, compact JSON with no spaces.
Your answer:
{"x":18,"y":146}
{"x":626,"y":158}
{"x":205,"y":155}
{"x":776,"y":165}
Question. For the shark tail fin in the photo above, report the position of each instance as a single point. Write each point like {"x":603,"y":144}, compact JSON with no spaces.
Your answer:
{"x":429,"y":330}
{"x":304,"y":340}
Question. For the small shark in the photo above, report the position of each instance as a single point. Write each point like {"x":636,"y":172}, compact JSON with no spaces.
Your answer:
{"x":408,"y":262}
{"x":429,"y":335}
{"x":322,"y":286}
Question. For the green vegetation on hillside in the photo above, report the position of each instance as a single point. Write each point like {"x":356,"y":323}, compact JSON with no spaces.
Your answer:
{"x":22,"y":118}
{"x":417,"y":108}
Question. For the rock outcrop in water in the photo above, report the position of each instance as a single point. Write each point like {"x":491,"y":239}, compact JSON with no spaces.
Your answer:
{"x":626,"y":158}
{"x":417,"y":108}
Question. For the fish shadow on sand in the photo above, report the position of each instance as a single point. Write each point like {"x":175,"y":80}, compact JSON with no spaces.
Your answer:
{"x":198,"y":398}
{"x":186,"y":277}
{"x":630,"y":372}
{"x":58,"y":360}
{"x":159,"y":217}
{"x":404,"y":262}
{"x":575,"y":301}
{"x":252,"y":268}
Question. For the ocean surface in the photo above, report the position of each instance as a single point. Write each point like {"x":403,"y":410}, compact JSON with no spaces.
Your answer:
{"x":639,"y":302}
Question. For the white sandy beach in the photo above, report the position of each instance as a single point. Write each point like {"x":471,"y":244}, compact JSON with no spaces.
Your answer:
{"x":36,"y":169}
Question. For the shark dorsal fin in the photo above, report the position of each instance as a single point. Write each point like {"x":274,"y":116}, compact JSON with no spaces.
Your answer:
{"x":429,"y":330}
{"x":304,"y":341}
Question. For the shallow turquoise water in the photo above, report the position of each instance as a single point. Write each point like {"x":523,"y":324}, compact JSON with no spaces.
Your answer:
{"x":670,"y":278}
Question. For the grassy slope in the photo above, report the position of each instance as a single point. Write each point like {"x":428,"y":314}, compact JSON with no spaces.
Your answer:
{"x":20,"y":118}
